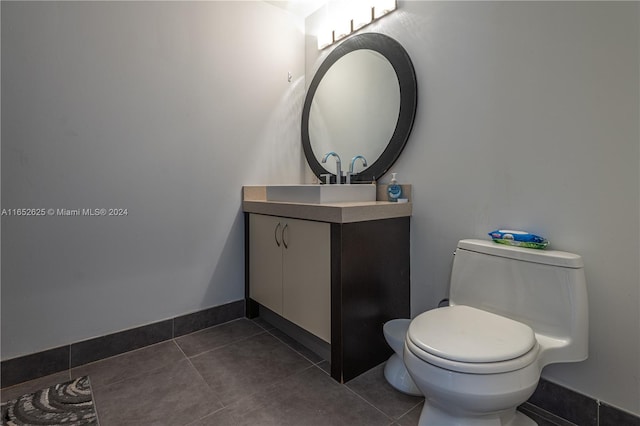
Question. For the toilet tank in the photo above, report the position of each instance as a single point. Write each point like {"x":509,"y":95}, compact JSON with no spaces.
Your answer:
{"x":544,"y":289}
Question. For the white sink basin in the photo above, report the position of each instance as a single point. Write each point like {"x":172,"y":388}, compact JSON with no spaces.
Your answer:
{"x":319,"y":194}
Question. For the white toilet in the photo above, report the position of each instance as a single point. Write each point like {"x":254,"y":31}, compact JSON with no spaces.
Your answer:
{"x":395,"y":332}
{"x":513,"y":311}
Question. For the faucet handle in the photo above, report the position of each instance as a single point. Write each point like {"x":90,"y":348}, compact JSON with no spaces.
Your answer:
{"x":327,"y":177}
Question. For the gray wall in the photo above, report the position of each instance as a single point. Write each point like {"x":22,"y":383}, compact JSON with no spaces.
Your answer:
{"x":163,"y":108}
{"x":528,"y":118}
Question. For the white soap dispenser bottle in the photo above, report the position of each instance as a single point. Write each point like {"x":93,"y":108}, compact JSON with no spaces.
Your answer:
{"x":394,"y":190}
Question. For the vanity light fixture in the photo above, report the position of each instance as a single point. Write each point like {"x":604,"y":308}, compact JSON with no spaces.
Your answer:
{"x":362,"y":17}
{"x":382,"y":7}
{"x":325,"y":38}
{"x":343,"y":29}
{"x":362,"y":14}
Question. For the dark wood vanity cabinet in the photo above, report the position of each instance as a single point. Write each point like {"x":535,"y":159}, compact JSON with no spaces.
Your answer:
{"x":370,"y":284}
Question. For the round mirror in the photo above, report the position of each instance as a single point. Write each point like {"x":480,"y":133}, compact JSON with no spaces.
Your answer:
{"x":362,"y":101}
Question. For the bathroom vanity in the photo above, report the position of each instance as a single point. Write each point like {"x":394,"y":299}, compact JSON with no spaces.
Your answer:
{"x":338,"y":271}
{"x":329,"y":264}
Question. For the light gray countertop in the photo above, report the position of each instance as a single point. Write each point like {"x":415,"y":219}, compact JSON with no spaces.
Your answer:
{"x":254,"y":200}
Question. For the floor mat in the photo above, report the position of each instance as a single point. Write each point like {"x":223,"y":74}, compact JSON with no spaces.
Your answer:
{"x":69,"y":403}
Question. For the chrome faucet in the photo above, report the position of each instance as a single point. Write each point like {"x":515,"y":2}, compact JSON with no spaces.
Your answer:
{"x":338,"y":165}
{"x":353,"y":162}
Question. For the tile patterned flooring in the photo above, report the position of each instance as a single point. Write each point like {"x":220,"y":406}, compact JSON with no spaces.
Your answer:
{"x":243,"y":372}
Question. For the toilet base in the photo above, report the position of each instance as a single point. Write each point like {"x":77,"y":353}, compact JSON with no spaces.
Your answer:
{"x":432,"y":415}
{"x":397,"y":375}
{"x":465,"y":399}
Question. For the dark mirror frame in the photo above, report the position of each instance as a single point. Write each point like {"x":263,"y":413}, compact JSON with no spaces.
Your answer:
{"x":401,"y":63}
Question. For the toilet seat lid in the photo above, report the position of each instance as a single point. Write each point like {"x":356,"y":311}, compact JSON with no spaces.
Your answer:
{"x":465,"y":334}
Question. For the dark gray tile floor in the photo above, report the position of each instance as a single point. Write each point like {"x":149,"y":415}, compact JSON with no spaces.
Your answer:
{"x":243,"y":372}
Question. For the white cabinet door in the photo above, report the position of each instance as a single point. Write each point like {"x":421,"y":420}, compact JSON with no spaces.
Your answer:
{"x":306,"y":280}
{"x":265,"y":261}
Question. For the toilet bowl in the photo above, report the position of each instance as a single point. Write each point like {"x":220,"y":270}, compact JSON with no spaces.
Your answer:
{"x":473,"y":361}
{"x":512,"y":312}
{"x":395,"y":372}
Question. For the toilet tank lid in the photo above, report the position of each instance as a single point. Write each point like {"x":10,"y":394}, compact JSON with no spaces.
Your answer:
{"x":547,"y":257}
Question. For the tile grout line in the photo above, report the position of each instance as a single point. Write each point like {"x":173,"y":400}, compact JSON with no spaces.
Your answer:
{"x":205,"y":416}
{"x":365,"y":400}
{"x":273,"y":384}
{"x":262,"y":326}
{"x":95,"y":403}
{"x":231,"y":343}
{"x":173,"y":327}
{"x":293,"y":349}
{"x":70,"y":362}
{"x":409,"y":410}
{"x":220,"y":347}
{"x":185,"y":356}
{"x":223,"y":406}
{"x":316,"y":364}
{"x":550,"y":417}
{"x":123,"y":353}
{"x":135,"y":375}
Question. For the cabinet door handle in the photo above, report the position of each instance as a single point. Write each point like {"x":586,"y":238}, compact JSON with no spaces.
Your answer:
{"x":283,"y":239}
{"x":275,"y":234}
